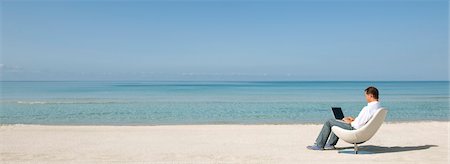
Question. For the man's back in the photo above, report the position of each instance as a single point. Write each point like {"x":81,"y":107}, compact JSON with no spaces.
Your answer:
{"x":366,"y":113}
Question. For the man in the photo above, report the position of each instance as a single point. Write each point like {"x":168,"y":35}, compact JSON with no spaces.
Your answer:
{"x":349,"y":123}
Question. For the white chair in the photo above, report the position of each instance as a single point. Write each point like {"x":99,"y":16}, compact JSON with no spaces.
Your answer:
{"x":364,"y":133}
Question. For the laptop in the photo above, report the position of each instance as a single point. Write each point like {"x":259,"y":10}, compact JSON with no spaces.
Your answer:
{"x":337,"y":111}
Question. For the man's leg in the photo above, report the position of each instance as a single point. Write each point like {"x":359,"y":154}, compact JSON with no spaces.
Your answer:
{"x":333,"y":139}
{"x":326,"y":130}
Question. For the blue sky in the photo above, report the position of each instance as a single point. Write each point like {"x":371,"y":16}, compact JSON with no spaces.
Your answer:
{"x":224,"y":40}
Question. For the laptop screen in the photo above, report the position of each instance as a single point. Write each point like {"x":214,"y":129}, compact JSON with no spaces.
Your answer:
{"x":337,"y":111}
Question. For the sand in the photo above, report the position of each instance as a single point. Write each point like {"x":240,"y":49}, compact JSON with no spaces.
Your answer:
{"x":413,"y":142}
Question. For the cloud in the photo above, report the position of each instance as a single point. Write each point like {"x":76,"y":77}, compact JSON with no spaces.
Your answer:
{"x":10,"y":68}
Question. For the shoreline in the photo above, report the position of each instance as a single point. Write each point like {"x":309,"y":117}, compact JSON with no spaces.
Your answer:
{"x":212,"y":124}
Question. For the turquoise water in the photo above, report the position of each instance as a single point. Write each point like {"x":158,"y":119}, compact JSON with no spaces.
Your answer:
{"x":155,"y":103}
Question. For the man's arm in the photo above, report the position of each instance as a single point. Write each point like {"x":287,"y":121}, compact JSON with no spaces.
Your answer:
{"x":348,"y":120}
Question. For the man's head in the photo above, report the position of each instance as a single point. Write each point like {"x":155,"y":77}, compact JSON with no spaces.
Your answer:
{"x":371,"y":94}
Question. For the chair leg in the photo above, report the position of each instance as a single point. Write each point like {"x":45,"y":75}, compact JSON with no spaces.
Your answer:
{"x":356,"y":148}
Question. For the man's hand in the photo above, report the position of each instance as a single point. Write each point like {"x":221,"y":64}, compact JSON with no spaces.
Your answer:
{"x":348,"y":120}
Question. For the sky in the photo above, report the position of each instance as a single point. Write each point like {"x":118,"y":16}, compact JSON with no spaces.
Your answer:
{"x":368,"y":40}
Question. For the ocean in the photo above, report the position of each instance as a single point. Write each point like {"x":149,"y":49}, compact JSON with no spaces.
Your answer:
{"x":212,"y":102}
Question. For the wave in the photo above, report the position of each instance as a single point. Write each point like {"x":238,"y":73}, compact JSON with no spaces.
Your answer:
{"x":70,"y":102}
{"x":31,"y":102}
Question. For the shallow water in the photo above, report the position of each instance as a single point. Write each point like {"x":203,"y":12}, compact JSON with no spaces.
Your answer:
{"x":151,"y":103}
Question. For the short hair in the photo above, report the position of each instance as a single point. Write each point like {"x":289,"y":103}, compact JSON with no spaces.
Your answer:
{"x":373,"y":91}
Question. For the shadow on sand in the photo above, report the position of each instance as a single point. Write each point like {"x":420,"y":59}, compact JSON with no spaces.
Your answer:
{"x":371,"y":149}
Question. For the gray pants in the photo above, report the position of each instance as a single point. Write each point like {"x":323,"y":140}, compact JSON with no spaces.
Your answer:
{"x":326,"y":131}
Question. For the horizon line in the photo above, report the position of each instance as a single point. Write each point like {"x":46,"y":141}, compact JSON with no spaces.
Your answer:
{"x":224,"y":80}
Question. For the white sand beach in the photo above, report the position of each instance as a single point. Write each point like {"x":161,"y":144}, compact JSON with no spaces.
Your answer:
{"x":414,"y":142}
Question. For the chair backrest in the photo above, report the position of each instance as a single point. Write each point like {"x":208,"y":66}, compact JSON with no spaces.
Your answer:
{"x":371,"y":127}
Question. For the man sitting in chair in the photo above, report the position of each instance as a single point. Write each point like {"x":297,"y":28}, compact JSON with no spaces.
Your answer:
{"x":349,"y":123}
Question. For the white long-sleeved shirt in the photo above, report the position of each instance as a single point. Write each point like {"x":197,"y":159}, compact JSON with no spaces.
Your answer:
{"x":366,"y":113}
